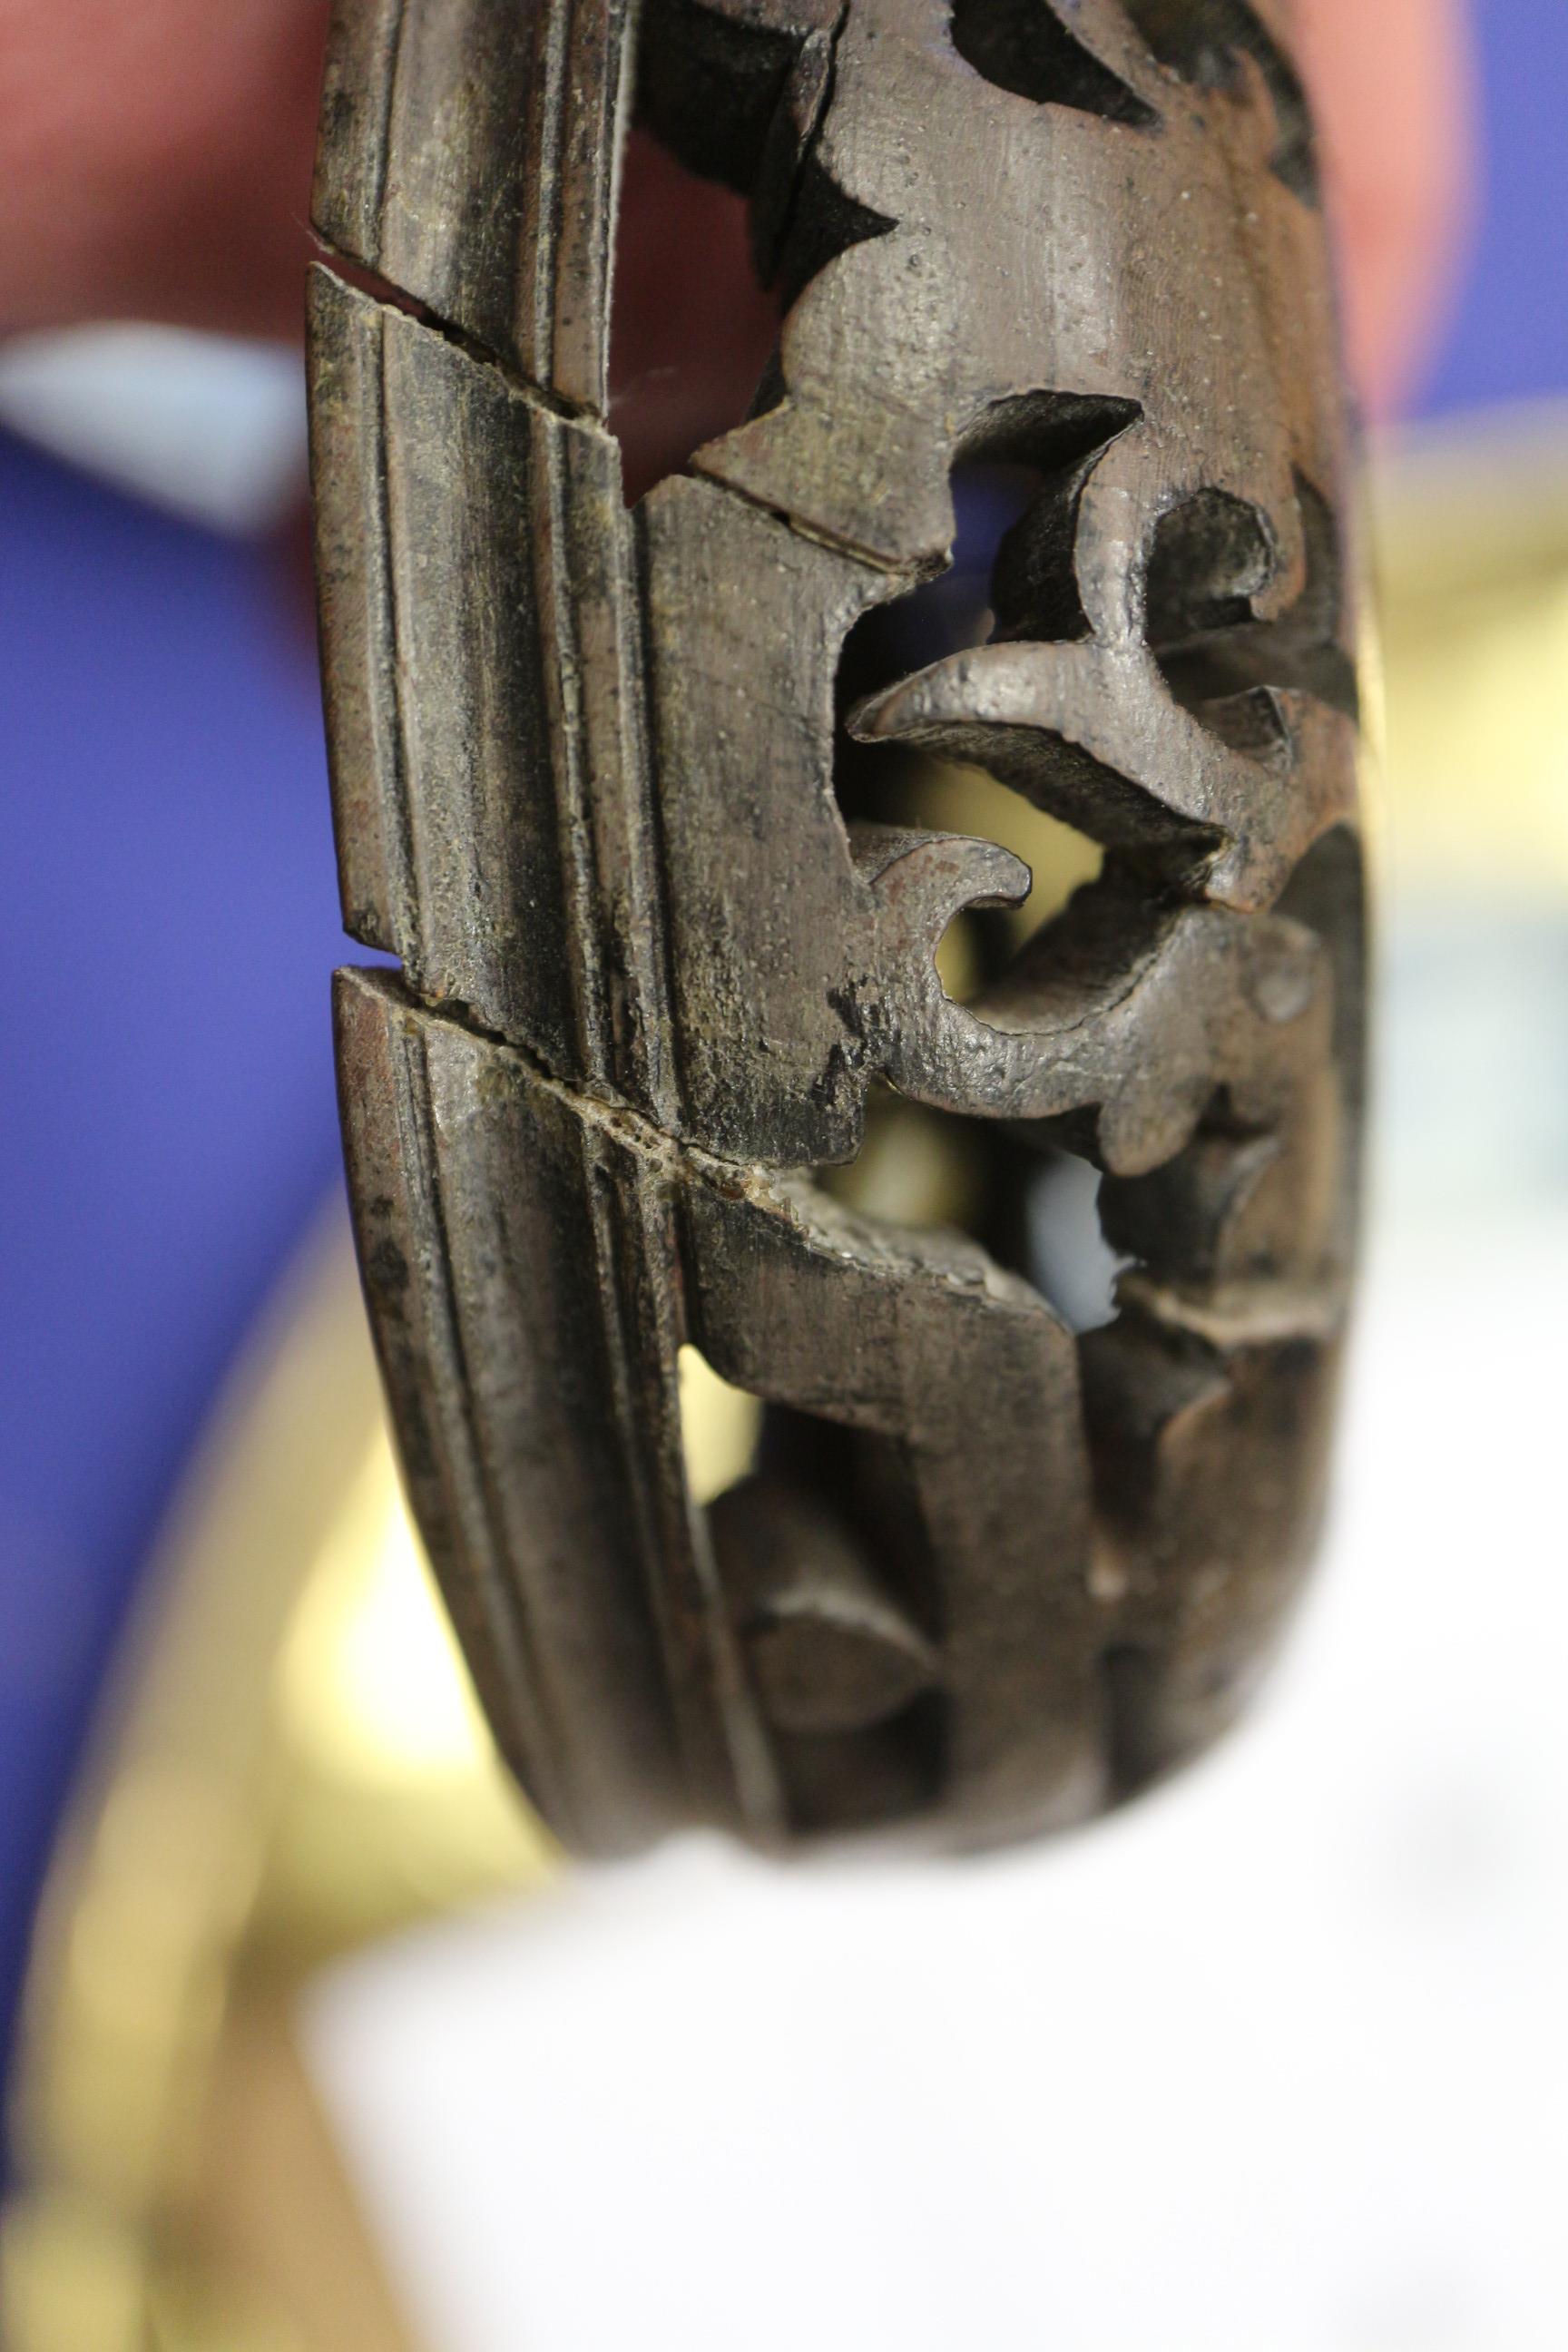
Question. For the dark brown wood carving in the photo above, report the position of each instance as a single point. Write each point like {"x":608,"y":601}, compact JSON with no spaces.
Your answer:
{"x":614,"y":785}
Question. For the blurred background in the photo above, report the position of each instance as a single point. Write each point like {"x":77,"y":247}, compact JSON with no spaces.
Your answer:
{"x":309,"y":2041}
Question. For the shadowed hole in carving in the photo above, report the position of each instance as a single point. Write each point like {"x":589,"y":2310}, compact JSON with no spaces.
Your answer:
{"x":1024,"y":47}
{"x":822,"y":1560}
{"x":1204,"y":41}
{"x":726,"y":214}
{"x":1043,"y":1218}
{"x":741,"y":102}
{"x":1211,"y":557}
{"x":1181,"y":1215}
{"x":836,"y":1543}
{"x":1070,"y":1257}
{"x":1046,"y":446}
{"x":720,"y":1427}
{"x":692,"y":329}
{"x":711,"y":84}
{"x":1036,"y":1208}
{"x":1016,"y":490}
{"x":915,"y":1167}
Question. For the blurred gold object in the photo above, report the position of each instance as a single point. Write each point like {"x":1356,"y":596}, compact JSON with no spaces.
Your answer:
{"x":294,"y":1764}
{"x":1470,"y":549}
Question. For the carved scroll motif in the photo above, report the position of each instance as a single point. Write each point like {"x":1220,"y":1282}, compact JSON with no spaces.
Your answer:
{"x":984,"y":1576}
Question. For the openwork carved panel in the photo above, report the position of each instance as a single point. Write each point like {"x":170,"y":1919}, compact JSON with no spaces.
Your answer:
{"x":609,"y":789}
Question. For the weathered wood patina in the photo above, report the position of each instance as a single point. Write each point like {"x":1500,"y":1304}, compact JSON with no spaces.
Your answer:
{"x":606,"y":787}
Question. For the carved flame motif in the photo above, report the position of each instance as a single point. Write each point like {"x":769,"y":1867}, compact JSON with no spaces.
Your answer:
{"x":985,"y":1576}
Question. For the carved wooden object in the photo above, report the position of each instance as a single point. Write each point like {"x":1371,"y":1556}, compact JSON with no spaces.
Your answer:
{"x":593,"y":771}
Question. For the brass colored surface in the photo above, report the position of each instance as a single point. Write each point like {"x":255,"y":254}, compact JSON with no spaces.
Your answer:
{"x":1471,"y":540}
{"x":293,"y":1763}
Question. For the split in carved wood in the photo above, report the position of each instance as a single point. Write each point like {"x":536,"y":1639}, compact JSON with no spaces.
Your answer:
{"x":606,"y":789}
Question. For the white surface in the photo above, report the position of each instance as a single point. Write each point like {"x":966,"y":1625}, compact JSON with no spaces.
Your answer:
{"x":1273,"y":2064}
{"x":207,"y":426}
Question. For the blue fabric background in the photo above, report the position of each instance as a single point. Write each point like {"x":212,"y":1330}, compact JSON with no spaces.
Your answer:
{"x":166,"y":1119}
{"x":166,"y":1105}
